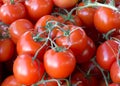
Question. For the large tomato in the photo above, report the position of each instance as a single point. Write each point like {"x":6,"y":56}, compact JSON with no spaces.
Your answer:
{"x":106,"y":19}
{"x":76,"y":41}
{"x":7,"y":49}
{"x":107,"y":53}
{"x":38,"y":8}
{"x":26,"y":70}
{"x":10,"y":81}
{"x":11,"y":12}
{"x":65,"y":3}
{"x":26,"y":44}
{"x":59,"y":64}
{"x":18,"y":27}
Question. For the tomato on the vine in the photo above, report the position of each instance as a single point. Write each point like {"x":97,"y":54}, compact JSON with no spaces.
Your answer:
{"x":59,"y":64}
{"x":27,"y":70}
{"x":106,"y":19}
{"x":11,"y":12}
{"x":7,"y":49}
{"x":28,"y":43}
{"x":76,"y":40}
{"x":10,"y":81}
{"x":107,"y":53}
{"x":18,"y":27}
{"x":38,"y":8}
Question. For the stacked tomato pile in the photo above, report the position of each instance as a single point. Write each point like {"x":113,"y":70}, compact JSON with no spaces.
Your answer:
{"x":59,"y":42}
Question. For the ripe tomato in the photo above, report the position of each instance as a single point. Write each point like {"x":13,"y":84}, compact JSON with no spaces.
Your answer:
{"x":18,"y":27}
{"x":11,"y":12}
{"x":106,"y":19}
{"x":38,"y":8}
{"x":7,"y":49}
{"x":59,"y":64}
{"x":86,"y":15}
{"x":40,"y":25}
{"x":65,"y":3}
{"x":9,"y":1}
{"x":10,"y":81}
{"x":77,"y":40}
{"x":88,"y":53}
{"x":115,"y":71}
{"x":106,"y":54}
{"x":26,"y":44}
{"x":114,"y":84}
{"x":85,"y":81}
{"x":26,"y":70}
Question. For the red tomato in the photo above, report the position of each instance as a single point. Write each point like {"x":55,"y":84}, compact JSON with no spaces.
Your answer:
{"x":26,"y":44}
{"x":59,"y":64}
{"x":77,"y":40}
{"x":65,"y":3}
{"x":26,"y":70}
{"x":41,"y":24}
{"x":88,"y":53}
{"x":106,"y":19}
{"x":86,"y":15}
{"x":9,"y":1}
{"x":115,"y":71}
{"x":85,"y":81}
{"x":38,"y":8}
{"x":10,"y":81}
{"x":7,"y":49}
{"x":106,"y":54}
{"x":11,"y":12}
{"x":18,"y":27}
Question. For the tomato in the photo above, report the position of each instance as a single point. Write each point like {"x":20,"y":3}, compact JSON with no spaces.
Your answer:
{"x":38,"y":8}
{"x":26,"y":44}
{"x":59,"y":64}
{"x":86,"y":15}
{"x":115,"y":71}
{"x":11,"y":12}
{"x":18,"y":27}
{"x":10,"y":81}
{"x":106,"y":54}
{"x":76,"y":41}
{"x":65,"y":3}
{"x":26,"y":70}
{"x":41,"y":24}
{"x":106,"y":19}
{"x":85,"y":81}
{"x":88,"y":53}
{"x":7,"y":49}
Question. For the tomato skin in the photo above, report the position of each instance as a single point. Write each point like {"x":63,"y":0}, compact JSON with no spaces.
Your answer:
{"x":114,"y":72}
{"x":106,"y":54}
{"x":11,"y":12}
{"x":26,"y":70}
{"x":26,"y":44}
{"x":114,"y":84}
{"x":10,"y":81}
{"x":59,"y":64}
{"x":65,"y":3}
{"x":88,"y":53}
{"x":77,"y":42}
{"x":86,"y":15}
{"x":7,"y":48}
{"x":18,"y":27}
{"x":38,"y":8}
{"x":106,"y":19}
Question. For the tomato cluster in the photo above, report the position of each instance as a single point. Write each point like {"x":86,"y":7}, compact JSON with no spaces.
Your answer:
{"x":59,"y":42}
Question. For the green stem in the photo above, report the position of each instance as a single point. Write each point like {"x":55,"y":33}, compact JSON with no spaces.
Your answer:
{"x":102,"y":71}
{"x":12,"y":1}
